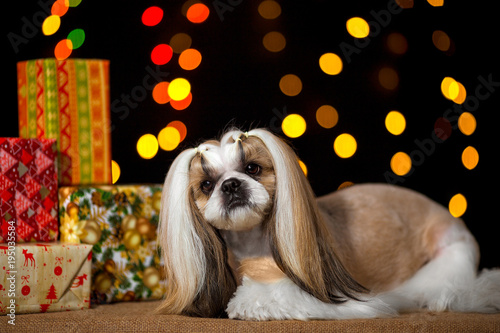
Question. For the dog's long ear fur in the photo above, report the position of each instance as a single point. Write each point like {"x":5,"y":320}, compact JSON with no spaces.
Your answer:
{"x":299,"y":238}
{"x":199,"y":280}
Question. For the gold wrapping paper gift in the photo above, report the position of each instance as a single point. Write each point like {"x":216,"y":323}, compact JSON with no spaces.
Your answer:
{"x":44,"y":277}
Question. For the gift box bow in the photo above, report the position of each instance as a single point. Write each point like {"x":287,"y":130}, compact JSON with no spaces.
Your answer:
{"x":45,"y":277}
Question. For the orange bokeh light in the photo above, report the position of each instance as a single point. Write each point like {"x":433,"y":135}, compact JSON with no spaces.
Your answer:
{"x":183,"y":104}
{"x":160,"y":93}
{"x":197,"y":13}
{"x":189,"y":59}
{"x":63,"y":49}
{"x":179,"y":125}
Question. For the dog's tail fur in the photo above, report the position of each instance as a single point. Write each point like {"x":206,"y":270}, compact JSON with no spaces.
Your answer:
{"x":450,"y":280}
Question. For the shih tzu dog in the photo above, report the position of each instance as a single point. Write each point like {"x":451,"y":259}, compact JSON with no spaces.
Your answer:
{"x":242,"y":234}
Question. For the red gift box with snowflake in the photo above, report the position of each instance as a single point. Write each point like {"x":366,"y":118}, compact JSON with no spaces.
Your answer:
{"x":28,"y":190}
{"x":44,"y":277}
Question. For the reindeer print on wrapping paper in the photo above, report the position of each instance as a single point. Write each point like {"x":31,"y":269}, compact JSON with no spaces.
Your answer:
{"x":28,"y":257}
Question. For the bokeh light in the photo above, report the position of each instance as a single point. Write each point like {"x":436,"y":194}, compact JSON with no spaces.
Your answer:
{"x":330,"y":63}
{"x":345,"y":184}
{"x":274,"y":41}
{"x":152,"y":16}
{"x":169,"y":138}
{"x":59,"y":7}
{"x":180,"y":42}
{"x":63,"y":49}
{"x":189,"y":59}
{"x":147,"y":146}
{"x":77,"y":37}
{"x":161,"y":54}
{"x":115,"y":171}
{"x":470,"y":157}
{"x":457,"y":205}
{"x":358,"y":27}
{"x":467,"y":123}
{"x":269,"y":9}
{"x":182,"y":105}
{"x":180,"y":127}
{"x":441,"y":40}
{"x":51,"y":24}
{"x":397,"y":43}
{"x":388,"y":78}
{"x":74,"y":3}
{"x":294,"y":125}
{"x":160,"y":93}
{"x":179,"y":89}
{"x":400,"y":163}
{"x":436,"y":3}
{"x":453,"y":90}
{"x":197,"y":13}
{"x":303,"y":167}
{"x":290,"y":85}
{"x":345,"y":145}
{"x":327,"y":116}
{"x":395,"y":122}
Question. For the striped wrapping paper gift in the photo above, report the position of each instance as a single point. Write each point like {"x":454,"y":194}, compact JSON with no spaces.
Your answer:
{"x":68,"y":100}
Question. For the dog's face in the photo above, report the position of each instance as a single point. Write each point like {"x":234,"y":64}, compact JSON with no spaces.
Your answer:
{"x":233,"y":182}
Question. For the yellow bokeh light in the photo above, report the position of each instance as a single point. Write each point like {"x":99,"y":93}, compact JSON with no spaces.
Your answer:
{"x":269,"y":9}
{"x":467,"y":123}
{"x":457,"y":205}
{"x":169,"y":138}
{"x":179,"y":89}
{"x":290,"y":85}
{"x":115,"y":171}
{"x":330,"y":63}
{"x":450,"y":88}
{"x":51,"y":24}
{"x":303,"y":167}
{"x":274,"y":41}
{"x":400,"y":163}
{"x":327,"y":116}
{"x":358,"y":27}
{"x":294,"y":125}
{"x":388,"y":78}
{"x":147,"y":146}
{"x":345,"y":145}
{"x":395,"y":122}
{"x":470,"y":157}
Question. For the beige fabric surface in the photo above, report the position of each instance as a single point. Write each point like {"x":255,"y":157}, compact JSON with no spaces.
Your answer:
{"x":138,"y":317}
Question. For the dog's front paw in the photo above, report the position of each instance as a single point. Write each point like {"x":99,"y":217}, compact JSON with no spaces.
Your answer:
{"x":250,"y":301}
{"x":285,"y":300}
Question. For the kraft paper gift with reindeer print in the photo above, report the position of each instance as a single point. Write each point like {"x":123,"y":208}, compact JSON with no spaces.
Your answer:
{"x":28,"y":190}
{"x":44,"y":277}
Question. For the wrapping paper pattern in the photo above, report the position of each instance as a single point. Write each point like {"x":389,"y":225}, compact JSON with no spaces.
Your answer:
{"x":28,"y":189}
{"x":120,"y":222}
{"x":68,"y":100}
{"x":44,"y":277}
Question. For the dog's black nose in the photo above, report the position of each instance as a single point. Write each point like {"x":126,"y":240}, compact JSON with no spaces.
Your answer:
{"x":230,"y":185}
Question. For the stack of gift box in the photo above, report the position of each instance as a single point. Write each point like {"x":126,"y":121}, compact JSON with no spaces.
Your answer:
{"x":68,"y":237}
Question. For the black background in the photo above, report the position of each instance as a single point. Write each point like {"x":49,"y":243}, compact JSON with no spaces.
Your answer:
{"x":237,"y":84}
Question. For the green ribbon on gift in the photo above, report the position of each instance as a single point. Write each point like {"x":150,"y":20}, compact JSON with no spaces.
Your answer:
{"x":31,"y":100}
{"x":84,"y":121}
{"x":51,"y":99}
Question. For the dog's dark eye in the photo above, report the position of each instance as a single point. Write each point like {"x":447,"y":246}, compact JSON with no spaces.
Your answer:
{"x":252,"y":169}
{"x":206,"y":186}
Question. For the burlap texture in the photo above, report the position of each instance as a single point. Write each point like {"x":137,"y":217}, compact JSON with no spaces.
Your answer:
{"x":138,"y":317}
